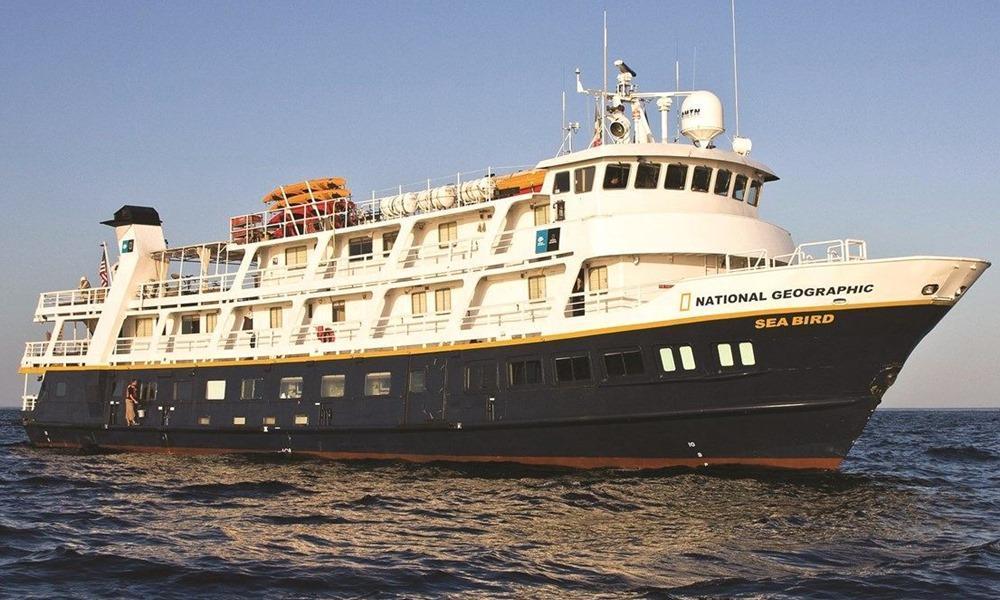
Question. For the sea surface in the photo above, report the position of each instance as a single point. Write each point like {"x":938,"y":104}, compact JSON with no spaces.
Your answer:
{"x":914,"y":513}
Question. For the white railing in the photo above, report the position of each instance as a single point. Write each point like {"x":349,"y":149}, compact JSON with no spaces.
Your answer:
{"x":348,"y":266}
{"x":252,"y":339}
{"x":69,"y":298}
{"x":437,"y":252}
{"x":510,"y":312}
{"x":35,"y":349}
{"x":28,"y":403}
{"x":828,"y":251}
{"x":185,"y":286}
{"x":326,"y":333}
{"x":133,"y":345}
{"x":610,"y":300}
{"x":70,"y":347}
{"x":409,"y":324}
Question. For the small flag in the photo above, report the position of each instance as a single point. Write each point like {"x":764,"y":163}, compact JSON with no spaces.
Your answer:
{"x":103,"y":271}
{"x":596,"y":141}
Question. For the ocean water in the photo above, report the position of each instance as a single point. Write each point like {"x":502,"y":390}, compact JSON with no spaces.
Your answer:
{"x":914,"y":513}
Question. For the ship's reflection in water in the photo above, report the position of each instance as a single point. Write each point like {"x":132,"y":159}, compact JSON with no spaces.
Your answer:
{"x":899,"y":520}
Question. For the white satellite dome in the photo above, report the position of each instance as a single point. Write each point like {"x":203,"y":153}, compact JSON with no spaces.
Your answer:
{"x":701,"y":118}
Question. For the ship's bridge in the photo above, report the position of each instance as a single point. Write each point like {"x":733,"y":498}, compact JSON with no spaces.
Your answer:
{"x":668,"y":197}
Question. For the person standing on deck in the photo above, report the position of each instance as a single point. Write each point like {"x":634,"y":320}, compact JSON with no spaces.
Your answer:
{"x":131,"y":399}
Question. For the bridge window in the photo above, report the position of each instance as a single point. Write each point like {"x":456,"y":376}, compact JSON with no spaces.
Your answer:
{"x":701,"y":178}
{"x":290,"y":388}
{"x":524,"y":372}
{"x":616,"y":176}
{"x":621,"y":364}
{"x":646,"y":176}
{"x":561,"y":184}
{"x":252,"y":389}
{"x":378,"y":384}
{"x":332,"y":386}
{"x":676,"y":177}
{"x":740,"y":189}
{"x":215,"y":389}
{"x":722,"y":178}
{"x":583,"y":180}
{"x":573,"y":368}
{"x":753,"y":195}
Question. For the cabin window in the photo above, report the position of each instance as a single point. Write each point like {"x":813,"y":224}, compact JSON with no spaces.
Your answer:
{"x":597,"y":279}
{"x":722,"y":178}
{"x":561,"y":183}
{"x":417,"y":382}
{"x":339,"y":308}
{"x":442,"y":300}
{"x":746,"y":354}
{"x":481,"y":377}
{"x":524,"y":372}
{"x":182,"y":391}
{"x":647,"y":175}
{"x":190,"y":324}
{"x":296,"y":257}
{"x":388,"y":241}
{"x":359,"y":248}
{"x":60,"y":389}
{"x":447,"y":233}
{"x":204,"y":421}
{"x":239,"y":420}
{"x":676,"y":178}
{"x":536,"y":288}
{"x":144,"y":327}
{"x":753,"y":194}
{"x":701,"y":178}
{"x":687,"y":357}
{"x":541,"y":213}
{"x":147,"y":391}
{"x":418,"y":303}
{"x":740,"y":188}
{"x":274,"y":317}
{"x":725,"y":355}
{"x":583,"y":180}
{"x":616,"y":176}
{"x":211,"y":322}
{"x":301,"y":419}
{"x":332,"y":386}
{"x":622,"y":364}
{"x":573,"y":368}
{"x":667,"y":360}
{"x":252,"y":389}
{"x":215,"y":389}
{"x":290,"y":388}
{"x":378,"y":384}
{"x":269,"y":420}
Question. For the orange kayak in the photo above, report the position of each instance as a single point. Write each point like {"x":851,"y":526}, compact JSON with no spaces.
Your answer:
{"x":305,"y":198}
{"x":303,"y":187}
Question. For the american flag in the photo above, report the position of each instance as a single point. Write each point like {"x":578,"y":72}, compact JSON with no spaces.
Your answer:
{"x":103,"y":271}
{"x":598,"y":130}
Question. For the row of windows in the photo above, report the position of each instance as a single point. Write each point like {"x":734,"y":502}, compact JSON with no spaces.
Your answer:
{"x":479,"y":377}
{"x":647,"y":176}
{"x":266,"y":421}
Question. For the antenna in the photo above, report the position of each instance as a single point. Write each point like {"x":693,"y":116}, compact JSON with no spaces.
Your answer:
{"x":568,"y":131}
{"x":736,"y":79}
{"x":694,"y":69}
{"x":604,"y":68}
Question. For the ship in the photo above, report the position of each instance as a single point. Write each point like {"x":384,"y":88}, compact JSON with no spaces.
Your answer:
{"x":622,"y":305}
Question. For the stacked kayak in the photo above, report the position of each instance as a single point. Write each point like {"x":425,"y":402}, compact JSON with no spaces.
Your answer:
{"x":313,"y":190}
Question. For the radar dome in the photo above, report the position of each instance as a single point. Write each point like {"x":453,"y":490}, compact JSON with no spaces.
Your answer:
{"x":701,"y":118}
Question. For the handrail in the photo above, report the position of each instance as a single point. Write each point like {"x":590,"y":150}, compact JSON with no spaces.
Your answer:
{"x":452,"y":250}
{"x":28,"y":403}
{"x":507,"y":312}
{"x":73,"y":297}
{"x":326,"y":333}
{"x":832,"y":251}
{"x":409,"y":324}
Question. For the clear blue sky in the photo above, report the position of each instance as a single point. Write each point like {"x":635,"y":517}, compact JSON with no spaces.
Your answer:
{"x":880,"y":117}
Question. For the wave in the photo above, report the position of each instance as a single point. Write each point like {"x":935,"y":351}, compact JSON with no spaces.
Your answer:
{"x":962,"y":453}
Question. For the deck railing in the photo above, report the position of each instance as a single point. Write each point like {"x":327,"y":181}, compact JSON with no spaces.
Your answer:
{"x":326,"y":333}
{"x":827,"y":251}
{"x":507,"y":313}
{"x":70,"y":298}
{"x":410,"y":324}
